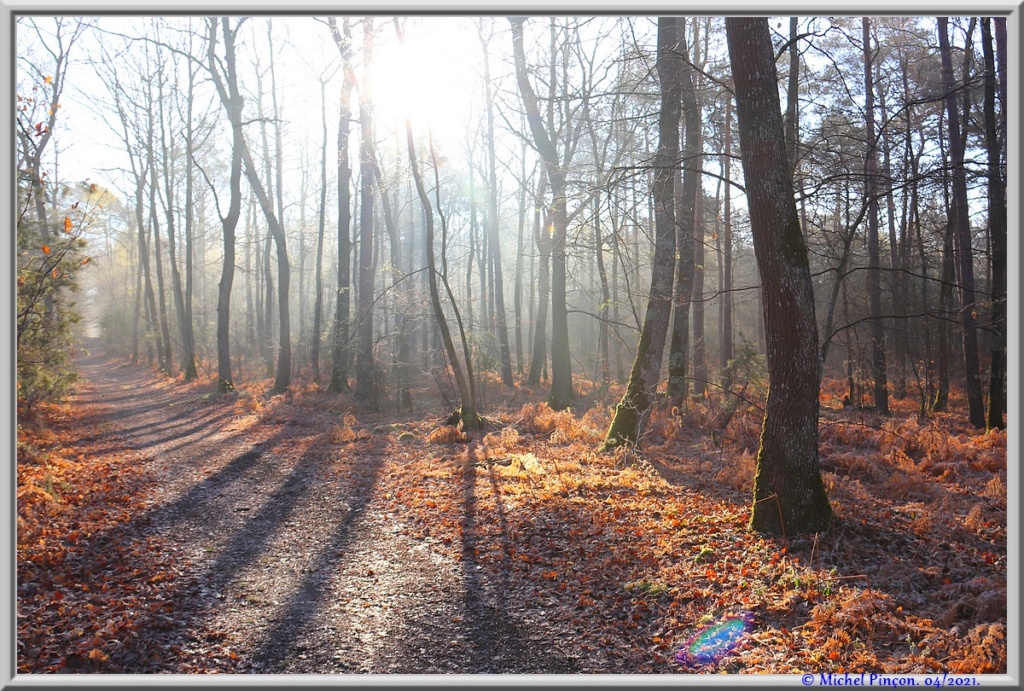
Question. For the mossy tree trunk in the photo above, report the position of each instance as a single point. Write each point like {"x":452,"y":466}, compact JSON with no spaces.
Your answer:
{"x":627,"y":425}
{"x":789,"y":496}
{"x":686,"y":241}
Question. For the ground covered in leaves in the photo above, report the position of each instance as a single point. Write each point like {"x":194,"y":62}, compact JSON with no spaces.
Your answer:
{"x":164,"y":528}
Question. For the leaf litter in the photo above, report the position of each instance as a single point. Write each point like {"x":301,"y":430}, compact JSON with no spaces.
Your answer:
{"x":518,"y":549}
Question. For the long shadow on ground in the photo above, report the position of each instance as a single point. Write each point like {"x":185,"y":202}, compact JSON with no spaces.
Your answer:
{"x":284,"y":642}
{"x":491,"y":638}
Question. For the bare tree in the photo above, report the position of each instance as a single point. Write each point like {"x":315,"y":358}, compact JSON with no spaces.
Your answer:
{"x":225,"y":78}
{"x":630,"y":414}
{"x":366,"y":377}
{"x":339,"y":368}
{"x":492,"y":218}
{"x":686,"y":192}
{"x":318,"y":299}
{"x":463,"y":378}
{"x":881,"y":389}
{"x":968,"y":300}
{"x":996,"y":223}
{"x":789,"y":496}
{"x":561,"y":364}
{"x":282,"y":378}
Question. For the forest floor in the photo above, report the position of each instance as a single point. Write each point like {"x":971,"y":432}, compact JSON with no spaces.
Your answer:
{"x":163,"y":528}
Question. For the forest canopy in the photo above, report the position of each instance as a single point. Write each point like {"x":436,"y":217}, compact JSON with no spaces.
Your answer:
{"x":144,"y":108}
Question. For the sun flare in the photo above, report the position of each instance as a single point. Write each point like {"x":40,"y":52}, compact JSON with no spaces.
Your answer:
{"x":430,"y":76}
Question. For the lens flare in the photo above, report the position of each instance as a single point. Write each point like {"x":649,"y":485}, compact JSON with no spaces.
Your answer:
{"x":715,"y":641}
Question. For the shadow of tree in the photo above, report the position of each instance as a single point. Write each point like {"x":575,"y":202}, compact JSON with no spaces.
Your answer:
{"x":282,"y":642}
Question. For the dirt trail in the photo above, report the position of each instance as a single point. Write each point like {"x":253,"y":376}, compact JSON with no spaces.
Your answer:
{"x":285,"y":563}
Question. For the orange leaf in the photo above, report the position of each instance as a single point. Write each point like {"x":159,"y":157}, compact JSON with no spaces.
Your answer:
{"x":67,"y":224}
{"x":97,"y":654}
{"x":48,"y":79}
{"x":46,"y":249}
{"x":54,"y":272}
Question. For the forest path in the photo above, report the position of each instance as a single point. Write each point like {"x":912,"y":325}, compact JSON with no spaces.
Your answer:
{"x":287,"y":558}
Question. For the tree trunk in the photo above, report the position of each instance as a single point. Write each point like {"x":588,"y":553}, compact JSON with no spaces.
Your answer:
{"x":283,"y":374}
{"x":227,"y":88}
{"x":468,"y":414}
{"x":517,"y":291}
{"x":700,"y":358}
{"x":149,"y":300}
{"x":366,"y":377}
{"x":266,"y":342}
{"x":631,"y":413}
{"x":318,"y":298}
{"x":947,"y":282}
{"x":874,"y":280}
{"x":561,"y":365}
{"x":968,"y":305}
{"x":188,"y":360}
{"x":542,"y":238}
{"x":164,"y":340}
{"x":473,"y":252}
{"x":997,"y":231}
{"x":495,"y":242}
{"x":253,"y":306}
{"x":339,"y":362}
{"x":789,"y":496}
{"x":686,"y":240}
{"x":896,"y":250}
{"x":190,"y":336}
{"x":401,"y":350}
{"x":727,"y":282}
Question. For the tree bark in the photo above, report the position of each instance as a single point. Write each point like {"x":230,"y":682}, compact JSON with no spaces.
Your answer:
{"x":188,"y":362}
{"x":495,"y":243}
{"x":561,"y":364}
{"x":997,"y":231}
{"x":468,"y":414}
{"x":727,"y":297}
{"x":227,"y":88}
{"x":366,"y":376}
{"x":164,"y":340}
{"x":686,"y":229}
{"x":874,"y":280}
{"x":631,"y":413}
{"x":542,"y":239}
{"x":339,"y":361}
{"x":318,"y":298}
{"x":968,"y":304}
{"x":789,"y":496}
{"x":189,"y":336}
{"x":695,"y":166}
{"x":793,"y":98}
{"x":517,"y":290}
